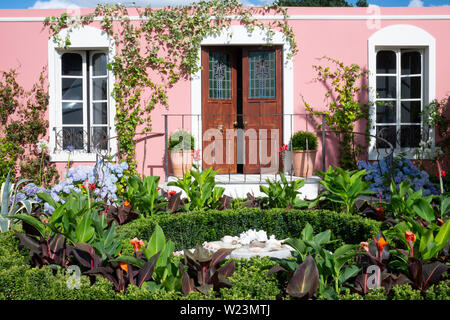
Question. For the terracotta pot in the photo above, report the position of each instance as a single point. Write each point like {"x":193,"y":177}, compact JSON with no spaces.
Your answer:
{"x":181,"y":162}
{"x":304,"y":163}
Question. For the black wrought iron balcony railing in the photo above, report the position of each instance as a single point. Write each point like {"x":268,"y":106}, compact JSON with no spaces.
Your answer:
{"x":213,"y":133}
{"x":91,"y":140}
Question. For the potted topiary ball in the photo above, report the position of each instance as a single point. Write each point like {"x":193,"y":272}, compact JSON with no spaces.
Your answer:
{"x":181,"y":146}
{"x":304,"y":147}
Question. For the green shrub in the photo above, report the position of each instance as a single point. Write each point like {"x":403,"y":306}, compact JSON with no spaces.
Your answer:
{"x":439,"y":291}
{"x":298,"y":140}
{"x":181,"y":140}
{"x":188,"y":229}
{"x":250,"y":281}
{"x":405,"y":292}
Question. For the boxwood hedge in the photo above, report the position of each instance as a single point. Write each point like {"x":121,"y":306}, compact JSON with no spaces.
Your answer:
{"x":188,"y":229}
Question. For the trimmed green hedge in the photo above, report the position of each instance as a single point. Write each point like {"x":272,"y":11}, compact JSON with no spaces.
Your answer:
{"x":188,"y":229}
{"x":20,"y":282}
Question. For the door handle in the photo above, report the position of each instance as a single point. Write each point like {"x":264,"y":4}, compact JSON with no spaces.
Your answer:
{"x":245,"y":123}
{"x":235,"y":124}
{"x":220,"y":127}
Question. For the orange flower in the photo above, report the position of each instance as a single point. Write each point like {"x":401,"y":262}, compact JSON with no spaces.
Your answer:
{"x":381,"y":243}
{"x":126,"y":203}
{"x":123,"y":265}
{"x":380,"y":212}
{"x":137,"y":244}
{"x":409,"y":236}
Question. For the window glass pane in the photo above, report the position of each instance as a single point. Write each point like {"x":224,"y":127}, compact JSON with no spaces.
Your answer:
{"x":411,"y":111}
{"x":386,"y":112}
{"x":219,"y":75}
{"x":387,"y":133}
{"x":71,"y":64}
{"x":72,"y":113}
{"x":262,"y":74}
{"x":411,"y":63}
{"x":386,"y":62}
{"x":99,"y":89}
{"x":73,"y":136}
{"x":411,"y":87}
{"x":387,"y":87}
{"x":99,"y":64}
{"x":72,"y":89}
{"x":409,"y":136}
{"x":100,"y":113}
{"x":99,"y":139}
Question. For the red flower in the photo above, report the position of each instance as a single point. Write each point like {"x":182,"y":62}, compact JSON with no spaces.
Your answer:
{"x":92,"y":186}
{"x":172,"y":192}
{"x":410,"y":237}
{"x":443,"y":173}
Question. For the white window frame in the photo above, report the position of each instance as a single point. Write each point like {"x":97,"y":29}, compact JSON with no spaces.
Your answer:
{"x":398,"y":99}
{"x":83,"y":39}
{"x":397,"y":37}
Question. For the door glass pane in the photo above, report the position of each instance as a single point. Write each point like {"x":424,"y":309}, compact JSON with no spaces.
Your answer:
{"x":411,"y":63}
{"x":219,"y":75}
{"x":411,"y":111}
{"x":387,"y":87}
{"x":74,"y":137}
{"x":411,"y":87}
{"x":261,"y":74}
{"x":386,"y":112}
{"x":100,"y":88}
{"x":72,"y":89}
{"x":72,"y":113}
{"x":71,"y":64}
{"x":99,"y":139}
{"x":387,"y":133}
{"x":386,"y":62}
{"x":99,"y":64}
{"x":410,"y":136}
{"x":100,"y":113}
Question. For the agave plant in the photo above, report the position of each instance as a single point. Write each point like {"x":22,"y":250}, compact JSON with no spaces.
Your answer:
{"x":10,"y":203}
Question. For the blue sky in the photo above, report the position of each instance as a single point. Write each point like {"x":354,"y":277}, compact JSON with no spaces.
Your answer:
{"x":46,"y":4}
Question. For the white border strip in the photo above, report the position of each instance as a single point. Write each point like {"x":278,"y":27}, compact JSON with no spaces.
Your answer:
{"x":276,"y":17}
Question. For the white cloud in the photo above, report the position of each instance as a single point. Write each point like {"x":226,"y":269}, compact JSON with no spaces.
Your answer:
{"x":415,"y":3}
{"x":52,"y":4}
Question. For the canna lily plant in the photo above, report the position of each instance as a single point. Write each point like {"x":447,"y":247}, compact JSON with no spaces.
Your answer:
{"x":203,"y":273}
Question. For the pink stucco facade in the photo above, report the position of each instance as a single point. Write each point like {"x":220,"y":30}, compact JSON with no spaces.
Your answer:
{"x":340,"y":33}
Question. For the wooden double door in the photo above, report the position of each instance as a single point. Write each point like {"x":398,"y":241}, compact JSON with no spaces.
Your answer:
{"x":242,"y":108}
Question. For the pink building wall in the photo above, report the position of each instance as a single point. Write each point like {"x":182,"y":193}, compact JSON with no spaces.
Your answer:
{"x":340,"y":33}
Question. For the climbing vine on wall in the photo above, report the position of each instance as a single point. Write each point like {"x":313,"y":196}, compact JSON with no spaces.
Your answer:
{"x":158,"y":49}
{"x":21,"y":128}
{"x":344,"y":107}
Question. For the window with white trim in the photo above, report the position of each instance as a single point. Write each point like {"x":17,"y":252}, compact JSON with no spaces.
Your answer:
{"x":83,"y":107}
{"x":400,"y":96}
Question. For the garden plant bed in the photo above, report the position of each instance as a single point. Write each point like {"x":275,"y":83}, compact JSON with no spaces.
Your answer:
{"x":122,"y":232}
